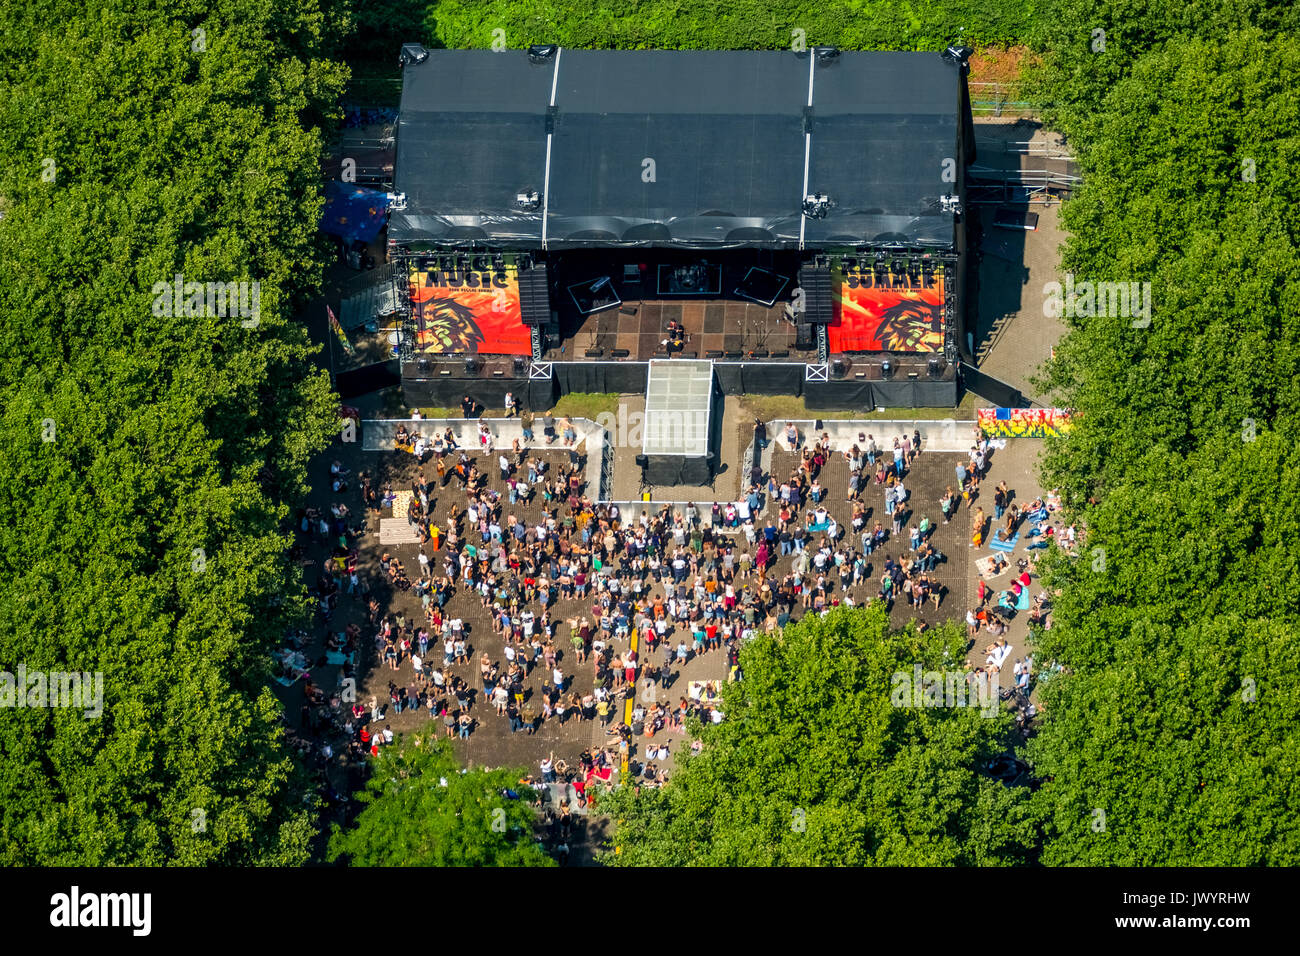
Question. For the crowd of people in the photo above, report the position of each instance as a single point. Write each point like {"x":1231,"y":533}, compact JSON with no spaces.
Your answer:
{"x":519,"y":557}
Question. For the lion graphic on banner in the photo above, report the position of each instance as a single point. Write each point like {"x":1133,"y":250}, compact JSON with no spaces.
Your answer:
{"x":911,"y":326}
{"x":449,"y":326}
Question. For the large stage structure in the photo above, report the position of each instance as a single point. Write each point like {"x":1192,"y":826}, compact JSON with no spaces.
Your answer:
{"x":563,"y":218}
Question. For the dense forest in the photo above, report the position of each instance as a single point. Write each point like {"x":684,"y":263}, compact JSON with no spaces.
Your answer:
{"x":151,"y":460}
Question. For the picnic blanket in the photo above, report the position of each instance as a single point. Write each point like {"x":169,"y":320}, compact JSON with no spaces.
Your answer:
{"x":706,"y":690}
{"x":1008,"y":545}
{"x":401,"y":503}
{"x":397,"y":531}
{"x":1021,"y":604}
{"x":999,"y":656}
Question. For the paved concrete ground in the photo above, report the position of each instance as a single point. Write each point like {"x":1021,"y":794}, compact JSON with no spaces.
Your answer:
{"x":1012,"y":336}
{"x":1017,"y":465}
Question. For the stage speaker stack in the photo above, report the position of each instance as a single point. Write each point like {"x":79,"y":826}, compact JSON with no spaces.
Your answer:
{"x":816,"y":284}
{"x":534,"y":296}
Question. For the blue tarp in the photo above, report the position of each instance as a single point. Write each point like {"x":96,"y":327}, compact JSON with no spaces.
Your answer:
{"x":353,"y":212}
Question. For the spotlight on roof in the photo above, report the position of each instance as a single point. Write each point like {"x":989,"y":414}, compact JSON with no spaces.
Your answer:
{"x":950,"y":204}
{"x":957,"y":54}
{"x":826,"y":53}
{"x":527,"y":199}
{"x":412,"y":53}
{"x":816,"y":205}
{"x":541,"y":52}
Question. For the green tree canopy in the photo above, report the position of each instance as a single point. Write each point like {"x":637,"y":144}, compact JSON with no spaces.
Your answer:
{"x":816,"y":765}
{"x":151,"y":455}
{"x":421,"y":809}
{"x":1170,"y":738}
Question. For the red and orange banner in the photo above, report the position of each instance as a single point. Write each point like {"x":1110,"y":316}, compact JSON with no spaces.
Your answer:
{"x":867,"y":317}
{"x":462,"y":311}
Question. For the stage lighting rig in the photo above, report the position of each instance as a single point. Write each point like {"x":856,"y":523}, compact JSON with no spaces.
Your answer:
{"x":412,"y":53}
{"x":816,"y":205}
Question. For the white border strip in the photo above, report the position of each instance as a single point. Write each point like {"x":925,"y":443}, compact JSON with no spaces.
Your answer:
{"x":546,"y":181}
{"x":807,"y":149}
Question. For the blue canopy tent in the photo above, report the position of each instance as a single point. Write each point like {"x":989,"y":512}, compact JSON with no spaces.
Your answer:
{"x":353,"y":212}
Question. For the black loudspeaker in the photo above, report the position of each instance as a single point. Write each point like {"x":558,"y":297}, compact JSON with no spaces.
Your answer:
{"x":840,"y":366}
{"x":534,"y":296}
{"x":642,"y":461}
{"x":471,"y":365}
{"x":816,"y":284}
{"x":423,"y":366}
{"x":521,"y":365}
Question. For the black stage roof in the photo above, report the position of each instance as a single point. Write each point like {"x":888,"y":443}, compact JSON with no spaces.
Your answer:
{"x":725,"y":131}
